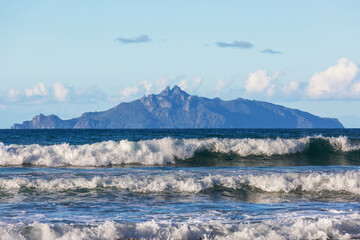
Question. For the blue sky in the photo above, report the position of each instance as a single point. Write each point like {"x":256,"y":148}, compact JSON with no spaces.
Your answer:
{"x":68,"y":57}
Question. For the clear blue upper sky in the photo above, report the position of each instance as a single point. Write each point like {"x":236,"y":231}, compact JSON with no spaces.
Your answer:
{"x":68,"y":57}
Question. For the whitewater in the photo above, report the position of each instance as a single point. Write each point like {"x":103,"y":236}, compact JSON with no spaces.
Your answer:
{"x":180,"y":184}
{"x":156,"y":151}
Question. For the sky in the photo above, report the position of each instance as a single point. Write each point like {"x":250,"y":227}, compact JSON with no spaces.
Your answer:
{"x":69,"y":57}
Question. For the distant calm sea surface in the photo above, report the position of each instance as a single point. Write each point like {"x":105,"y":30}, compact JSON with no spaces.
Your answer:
{"x":180,"y":184}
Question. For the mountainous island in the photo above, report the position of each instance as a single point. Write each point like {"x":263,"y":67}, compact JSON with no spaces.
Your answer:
{"x":174,"y":108}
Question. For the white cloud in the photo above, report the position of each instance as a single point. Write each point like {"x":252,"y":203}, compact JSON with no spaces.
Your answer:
{"x":13,"y":95}
{"x":335,"y":82}
{"x":129,"y":91}
{"x":91,"y":94}
{"x":60,"y":92}
{"x":190,"y":85}
{"x":293,"y":85}
{"x":220,"y":85}
{"x":146,"y":85}
{"x":2,"y":107}
{"x":258,"y":81}
{"x":38,"y":90}
{"x":270,"y":91}
{"x":161,"y":83}
{"x":261,"y":84}
{"x":196,"y":82}
{"x":356,"y":88}
{"x":290,"y":88}
{"x":36,"y":94}
{"x":183,"y":84}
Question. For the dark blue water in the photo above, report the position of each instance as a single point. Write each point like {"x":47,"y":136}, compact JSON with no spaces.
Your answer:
{"x":180,"y":184}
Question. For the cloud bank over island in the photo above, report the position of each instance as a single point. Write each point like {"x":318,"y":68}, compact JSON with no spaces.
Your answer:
{"x":57,"y":93}
{"x":340,"y":81}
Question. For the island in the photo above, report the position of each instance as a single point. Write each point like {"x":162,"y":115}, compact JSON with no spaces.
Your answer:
{"x":174,"y":108}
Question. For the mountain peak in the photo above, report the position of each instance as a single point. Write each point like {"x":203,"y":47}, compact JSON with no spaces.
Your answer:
{"x":176,"y":90}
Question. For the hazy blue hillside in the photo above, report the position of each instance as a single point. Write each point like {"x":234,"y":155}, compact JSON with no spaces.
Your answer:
{"x":174,"y":108}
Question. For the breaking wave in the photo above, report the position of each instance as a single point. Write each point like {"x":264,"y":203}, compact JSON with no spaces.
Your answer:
{"x":163,"y":151}
{"x":285,"y":227}
{"x":343,"y":181}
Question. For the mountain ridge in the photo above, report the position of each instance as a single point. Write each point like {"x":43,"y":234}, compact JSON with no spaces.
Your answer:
{"x":174,"y":108}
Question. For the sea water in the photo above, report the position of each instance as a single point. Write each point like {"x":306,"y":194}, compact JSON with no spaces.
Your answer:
{"x":180,"y":184}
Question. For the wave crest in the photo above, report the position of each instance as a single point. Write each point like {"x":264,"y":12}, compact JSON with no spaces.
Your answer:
{"x":347,"y":181}
{"x":154,"y":152}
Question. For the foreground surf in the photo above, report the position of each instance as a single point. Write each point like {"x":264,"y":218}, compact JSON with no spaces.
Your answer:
{"x":335,"y":226}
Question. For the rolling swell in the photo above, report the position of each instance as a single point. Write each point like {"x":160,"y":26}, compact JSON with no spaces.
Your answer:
{"x":316,"y":150}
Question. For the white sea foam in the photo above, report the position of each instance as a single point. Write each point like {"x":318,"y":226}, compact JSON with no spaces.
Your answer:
{"x":152,"y":152}
{"x":346,"y":181}
{"x":341,"y":143}
{"x":346,"y":226}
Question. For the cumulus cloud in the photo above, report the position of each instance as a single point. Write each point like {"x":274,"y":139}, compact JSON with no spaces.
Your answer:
{"x":147,"y":85}
{"x":183,"y":84}
{"x":36,"y":94}
{"x":291,"y":87}
{"x":197,"y":81}
{"x":129,"y":91}
{"x":270,"y":51}
{"x":161,"y":83}
{"x":235,"y":44}
{"x":220,"y":85}
{"x":38,"y":90}
{"x":13,"y":95}
{"x":60,"y":92}
{"x":190,"y":85}
{"x":259,"y":81}
{"x":139,"y":39}
{"x":90,"y":94}
{"x":262,"y":84}
{"x":338,"y":81}
{"x":356,"y":88}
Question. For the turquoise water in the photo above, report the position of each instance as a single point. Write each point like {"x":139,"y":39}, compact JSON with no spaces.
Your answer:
{"x":180,"y":184}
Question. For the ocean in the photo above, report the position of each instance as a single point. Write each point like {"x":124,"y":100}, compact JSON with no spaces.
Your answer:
{"x":180,"y":184}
